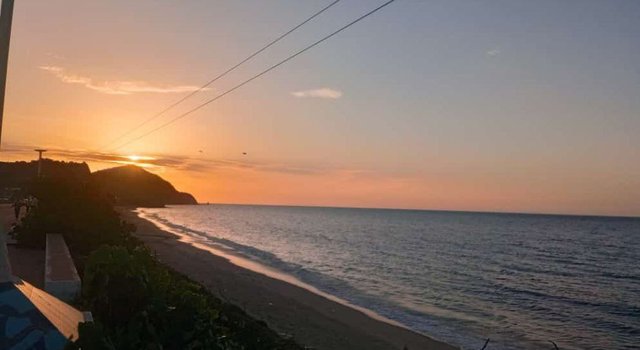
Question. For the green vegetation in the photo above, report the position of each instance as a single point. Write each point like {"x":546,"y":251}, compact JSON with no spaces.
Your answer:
{"x":82,"y":212}
{"x":137,"y":302}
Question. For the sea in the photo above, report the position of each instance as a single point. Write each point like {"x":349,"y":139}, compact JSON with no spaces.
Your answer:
{"x":521,"y":280}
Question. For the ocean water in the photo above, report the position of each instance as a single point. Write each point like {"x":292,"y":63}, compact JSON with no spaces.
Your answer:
{"x":521,"y":280}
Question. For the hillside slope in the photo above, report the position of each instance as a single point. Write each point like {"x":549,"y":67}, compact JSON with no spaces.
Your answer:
{"x":134,"y":186}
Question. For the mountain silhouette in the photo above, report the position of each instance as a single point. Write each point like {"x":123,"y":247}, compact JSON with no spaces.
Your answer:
{"x":134,"y":186}
{"x":129,"y":185}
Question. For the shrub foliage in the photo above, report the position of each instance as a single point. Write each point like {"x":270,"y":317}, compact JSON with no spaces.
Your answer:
{"x":137,"y":302}
{"x":79,"y":211}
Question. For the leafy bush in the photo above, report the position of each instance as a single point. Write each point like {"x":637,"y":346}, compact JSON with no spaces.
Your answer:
{"x":137,"y":302}
{"x":118,"y":285}
{"x":80,"y":212}
{"x":92,"y":337}
{"x":144,"y":305}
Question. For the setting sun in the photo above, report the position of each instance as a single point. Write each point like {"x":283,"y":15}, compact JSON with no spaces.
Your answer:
{"x":136,"y":158}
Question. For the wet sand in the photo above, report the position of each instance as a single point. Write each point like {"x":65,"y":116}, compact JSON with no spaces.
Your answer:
{"x":313,"y":320}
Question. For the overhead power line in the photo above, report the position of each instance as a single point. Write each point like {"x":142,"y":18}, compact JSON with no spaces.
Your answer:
{"x":187,"y":113}
{"x":221,"y":75}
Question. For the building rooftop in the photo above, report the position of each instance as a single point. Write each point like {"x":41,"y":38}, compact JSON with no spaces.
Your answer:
{"x":23,"y":325}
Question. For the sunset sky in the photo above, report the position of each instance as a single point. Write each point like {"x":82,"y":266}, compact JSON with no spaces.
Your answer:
{"x":520,"y":106}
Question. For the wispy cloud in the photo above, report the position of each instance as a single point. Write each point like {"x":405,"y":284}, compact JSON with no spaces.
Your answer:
{"x":116,"y":87}
{"x":55,"y":56}
{"x":240,"y":171}
{"x":319,"y":93}
{"x":493,"y":53}
{"x":160,"y":162}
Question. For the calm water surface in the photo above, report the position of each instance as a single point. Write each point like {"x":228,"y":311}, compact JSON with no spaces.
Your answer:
{"x":520,"y":280}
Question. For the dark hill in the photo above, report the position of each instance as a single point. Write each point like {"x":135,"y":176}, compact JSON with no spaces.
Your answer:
{"x":15,"y":176}
{"x":132,"y":185}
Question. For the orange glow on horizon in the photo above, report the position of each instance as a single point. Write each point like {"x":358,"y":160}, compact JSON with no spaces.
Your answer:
{"x":506,"y":132}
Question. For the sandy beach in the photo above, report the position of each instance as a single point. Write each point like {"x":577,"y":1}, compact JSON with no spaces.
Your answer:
{"x":313,"y":320}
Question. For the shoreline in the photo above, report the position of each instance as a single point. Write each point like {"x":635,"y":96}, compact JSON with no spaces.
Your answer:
{"x":268,"y":271}
{"x":289,"y":306}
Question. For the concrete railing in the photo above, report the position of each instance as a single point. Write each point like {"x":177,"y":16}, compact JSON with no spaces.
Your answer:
{"x":60,"y":276}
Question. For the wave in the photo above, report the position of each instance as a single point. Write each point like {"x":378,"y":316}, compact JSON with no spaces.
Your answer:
{"x":410,"y":317}
{"x":461,"y":277}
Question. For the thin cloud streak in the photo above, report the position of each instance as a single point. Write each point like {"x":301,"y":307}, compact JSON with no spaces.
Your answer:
{"x":161,"y":162}
{"x":319,"y":93}
{"x":493,"y":53}
{"x":116,"y":87}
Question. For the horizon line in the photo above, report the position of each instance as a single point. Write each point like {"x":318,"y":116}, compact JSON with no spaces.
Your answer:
{"x":423,"y":209}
